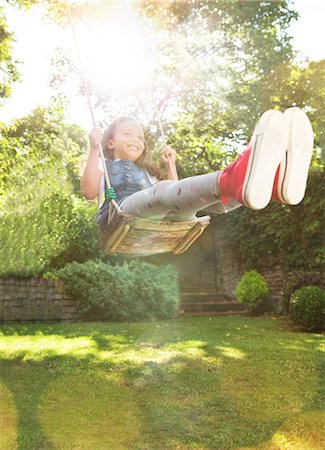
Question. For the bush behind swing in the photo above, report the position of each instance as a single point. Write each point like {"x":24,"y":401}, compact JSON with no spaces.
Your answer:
{"x":132,"y":291}
{"x":252,"y":290}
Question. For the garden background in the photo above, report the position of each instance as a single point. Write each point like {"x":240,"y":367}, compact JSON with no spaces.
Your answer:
{"x":208,"y":382}
{"x":216,"y":66}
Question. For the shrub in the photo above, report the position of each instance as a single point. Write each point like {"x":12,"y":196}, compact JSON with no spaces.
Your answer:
{"x":307,"y":307}
{"x":297,"y":279}
{"x":130,"y":292}
{"x":252,"y":290}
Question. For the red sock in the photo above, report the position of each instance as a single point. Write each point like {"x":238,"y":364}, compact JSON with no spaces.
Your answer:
{"x":275,"y":186}
{"x":232,"y":177}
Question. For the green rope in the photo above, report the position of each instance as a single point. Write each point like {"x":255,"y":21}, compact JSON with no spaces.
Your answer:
{"x":110,"y":194}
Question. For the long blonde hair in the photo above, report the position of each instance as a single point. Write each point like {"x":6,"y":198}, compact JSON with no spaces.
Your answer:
{"x":144,"y":161}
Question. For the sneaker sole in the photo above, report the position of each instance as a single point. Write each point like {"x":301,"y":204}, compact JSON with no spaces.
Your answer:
{"x":294,"y":167}
{"x":268,"y":147}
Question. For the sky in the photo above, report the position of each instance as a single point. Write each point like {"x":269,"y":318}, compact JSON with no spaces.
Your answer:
{"x":36,"y":39}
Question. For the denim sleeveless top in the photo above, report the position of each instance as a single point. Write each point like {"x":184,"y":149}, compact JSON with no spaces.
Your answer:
{"x":126,"y":178}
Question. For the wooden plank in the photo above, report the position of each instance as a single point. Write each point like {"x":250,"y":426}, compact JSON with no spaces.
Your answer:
{"x":164,"y":225}
{"x":146,"y":237}
{"x":117,"y":238}
{"x":146,"y":232}
{"x":146,"y":247}
{"x":111,"y":228}
{"x":145,"y":251}
{"x":190,"y":237}
{"x":161,"y":226}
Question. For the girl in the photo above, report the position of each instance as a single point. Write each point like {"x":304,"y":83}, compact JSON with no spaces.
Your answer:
{"x":274,"y":165}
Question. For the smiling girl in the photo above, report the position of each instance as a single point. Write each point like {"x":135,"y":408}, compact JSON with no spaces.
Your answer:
{"x":274,"y":165}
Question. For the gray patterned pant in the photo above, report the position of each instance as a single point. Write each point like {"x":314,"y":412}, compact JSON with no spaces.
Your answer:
{"x":178,"y":200}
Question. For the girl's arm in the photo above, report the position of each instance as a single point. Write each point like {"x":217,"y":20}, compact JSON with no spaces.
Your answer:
{"x":91,"y":177}
{"x":169,"y":158}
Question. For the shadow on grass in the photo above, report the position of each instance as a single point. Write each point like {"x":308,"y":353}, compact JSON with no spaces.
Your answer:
{"x":137,"y":386}
{"x":26,"y":384}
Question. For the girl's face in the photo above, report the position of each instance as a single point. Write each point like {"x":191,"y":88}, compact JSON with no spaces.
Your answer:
{"x":128,"y":141}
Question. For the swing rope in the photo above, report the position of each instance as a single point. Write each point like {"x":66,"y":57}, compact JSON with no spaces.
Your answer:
{"x":171,"y":167}
{"x":109,"y":192}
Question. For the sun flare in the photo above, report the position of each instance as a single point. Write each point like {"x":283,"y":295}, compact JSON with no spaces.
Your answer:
{"x":115,"y":53}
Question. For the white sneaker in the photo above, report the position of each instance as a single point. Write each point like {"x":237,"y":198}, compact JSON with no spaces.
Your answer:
{"x":293,"y":174}
{"x":268,"y":147}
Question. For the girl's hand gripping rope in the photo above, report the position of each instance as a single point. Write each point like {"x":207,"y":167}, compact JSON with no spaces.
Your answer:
{"x":169,"y":154}
{"x":95,"y":137}
{"x":169,"y":158}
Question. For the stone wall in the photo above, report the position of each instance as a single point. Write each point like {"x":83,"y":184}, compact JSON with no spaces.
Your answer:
{"x":35,"y":299}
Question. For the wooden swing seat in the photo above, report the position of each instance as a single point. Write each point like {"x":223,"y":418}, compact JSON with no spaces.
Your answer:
{"x":144,"y":237}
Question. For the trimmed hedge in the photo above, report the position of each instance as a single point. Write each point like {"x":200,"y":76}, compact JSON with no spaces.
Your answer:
{"x":297,"y":279}
{"x":307,"y":308}
{"x":133,"y":291}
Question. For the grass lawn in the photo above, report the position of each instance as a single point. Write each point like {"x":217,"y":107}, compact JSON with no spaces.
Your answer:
{"x":189,"y":383}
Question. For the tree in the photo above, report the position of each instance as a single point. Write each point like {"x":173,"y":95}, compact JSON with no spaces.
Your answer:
{"x":301,"y":85}
{"x":212,"y":62}
{"x":8,"y":67}
{"x":216,"y":112}
{"x":8,"y":70}
{"x":289,"y":236}
{"x":44,"y":221}
{"x":35,"y":147}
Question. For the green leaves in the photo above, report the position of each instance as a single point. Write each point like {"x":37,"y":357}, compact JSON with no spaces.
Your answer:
{"x":133,"y":291}
{"x":290,"y":236}
{"x":252,"y":290}
{"x":8,"y":70}
{"x":44,"y":221}
{"x":307,"y":307}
